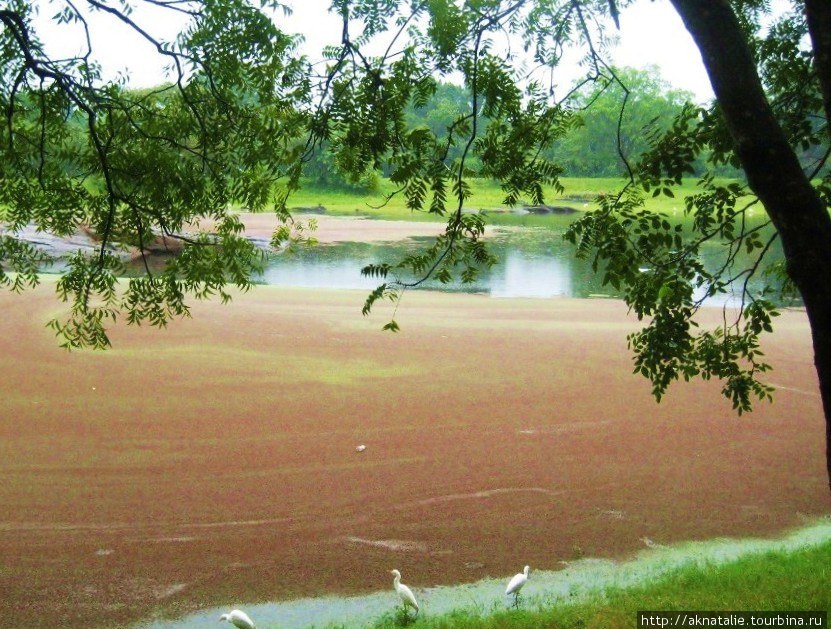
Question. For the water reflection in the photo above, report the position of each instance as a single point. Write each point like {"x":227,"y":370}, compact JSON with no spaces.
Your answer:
{"x":337,"y":266}
{"x":310,"y":270}
{"x":533,"y":262}
{"x":525,"y":275}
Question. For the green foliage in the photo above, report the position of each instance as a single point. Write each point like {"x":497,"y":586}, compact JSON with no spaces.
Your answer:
{"x":23,"y":260}
{"x":293,"y":234}
{"x":664,"y":280}
{"x":613,"y":119}
{"x":81,"y":153}
{"x":323,"y":171}
{"x":92,"y":288}
{"x":659,"y":266}
{"x":777,"y":580}
{"x":432,"y":138}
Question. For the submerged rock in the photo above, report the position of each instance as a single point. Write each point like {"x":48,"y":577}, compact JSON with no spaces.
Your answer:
{"x":551,"y":209}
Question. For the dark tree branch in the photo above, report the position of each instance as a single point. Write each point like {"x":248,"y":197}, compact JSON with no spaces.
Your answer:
{"x":456,"y":219}
{"x":176,"y":57}
{"x":179,"y":6}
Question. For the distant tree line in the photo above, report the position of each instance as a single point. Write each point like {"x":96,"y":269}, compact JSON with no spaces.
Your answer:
{"x":593,"y":148}
{"x":610,"y":130}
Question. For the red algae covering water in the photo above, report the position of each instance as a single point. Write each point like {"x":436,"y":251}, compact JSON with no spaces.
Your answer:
{"x":215,"y":462}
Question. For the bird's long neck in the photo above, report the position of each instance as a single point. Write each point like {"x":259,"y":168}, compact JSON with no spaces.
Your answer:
{"x":397,"y":581}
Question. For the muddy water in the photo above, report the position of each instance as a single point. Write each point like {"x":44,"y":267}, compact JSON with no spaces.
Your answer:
{"x":574,"y":582}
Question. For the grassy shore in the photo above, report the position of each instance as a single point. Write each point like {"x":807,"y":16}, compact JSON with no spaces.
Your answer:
{"x":798,"y":580}
{"x":386,"y":203}
{"x":579,"y":194}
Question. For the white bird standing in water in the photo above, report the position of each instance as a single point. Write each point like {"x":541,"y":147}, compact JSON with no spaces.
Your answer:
{"x":239,"y":619}
{"x":516,"y":583}
{"x":404,"y":592}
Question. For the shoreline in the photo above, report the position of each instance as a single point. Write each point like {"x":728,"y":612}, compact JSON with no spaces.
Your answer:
{"x":574,"y":583}
{"x":336,"y":228}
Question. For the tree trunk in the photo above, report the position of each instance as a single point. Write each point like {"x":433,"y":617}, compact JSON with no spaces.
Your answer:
{"x":818,"y":16}
{"x":773,"y":170}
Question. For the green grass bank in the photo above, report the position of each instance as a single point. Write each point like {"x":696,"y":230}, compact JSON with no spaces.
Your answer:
{"x":785,"y":574}
{"x":579,"y":194}
{"x":792,"y":580}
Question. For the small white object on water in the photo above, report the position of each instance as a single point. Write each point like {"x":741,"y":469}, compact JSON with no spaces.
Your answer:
{"x":516,"y":583}
{"x":239,"y":619}
{"x":360,"y":448}
{"x":405,"y":593}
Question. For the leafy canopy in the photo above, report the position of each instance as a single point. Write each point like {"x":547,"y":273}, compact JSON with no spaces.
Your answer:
{"x":130,"y":167}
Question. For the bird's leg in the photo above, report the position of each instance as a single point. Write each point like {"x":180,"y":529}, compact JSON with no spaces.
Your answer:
{"x":516,"y":599}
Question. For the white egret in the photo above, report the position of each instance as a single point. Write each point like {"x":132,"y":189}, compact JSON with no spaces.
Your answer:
{"x":404,"y":592}
{"x":239,"y":619}
{"x":516,"y":583}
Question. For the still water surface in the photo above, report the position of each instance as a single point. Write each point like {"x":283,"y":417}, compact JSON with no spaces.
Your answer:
{"x":532,"y":262}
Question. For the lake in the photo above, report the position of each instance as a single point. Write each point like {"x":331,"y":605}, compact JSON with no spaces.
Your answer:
{"x":533,"y":261}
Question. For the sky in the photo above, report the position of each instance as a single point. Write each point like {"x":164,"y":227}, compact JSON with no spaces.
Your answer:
{"x":651,"y":33}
